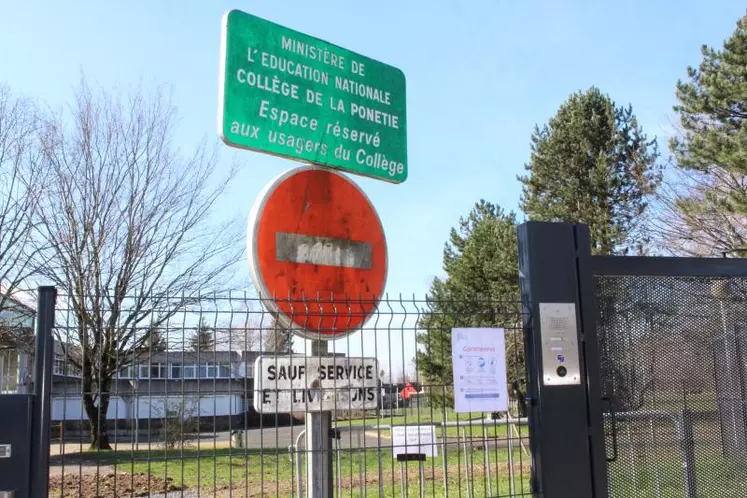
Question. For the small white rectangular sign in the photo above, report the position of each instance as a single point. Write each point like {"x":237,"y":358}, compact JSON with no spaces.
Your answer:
{"x":414,"y":440}
{"x":292,"y":384}
{"x":479,"y":362}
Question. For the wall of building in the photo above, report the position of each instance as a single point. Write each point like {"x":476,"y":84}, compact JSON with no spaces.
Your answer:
{"x":70,"y":407}
{"x":190,"y":405}
{"x":207,"y":387}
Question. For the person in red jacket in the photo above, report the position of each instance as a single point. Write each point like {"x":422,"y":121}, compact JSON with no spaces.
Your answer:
{"x":407,"y":392}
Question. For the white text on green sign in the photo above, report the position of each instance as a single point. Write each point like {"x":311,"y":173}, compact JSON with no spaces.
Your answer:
{"x":296,"y":96}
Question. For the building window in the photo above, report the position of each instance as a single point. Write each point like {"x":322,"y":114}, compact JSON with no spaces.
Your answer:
{"x":214,"y":371}
{"x":250,"y":371}
{"x":224,"y":370}
{"x":176,"y":371}
{"x":64,"y":368}
{"x":127,"y":372}
{"x":59,"y":366}
{"x":143,"y":371}
{"x":189,"y":371}
{"x":157,"y":371}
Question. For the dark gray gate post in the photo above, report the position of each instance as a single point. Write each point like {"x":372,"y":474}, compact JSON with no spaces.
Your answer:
{"x":563,"y":394}
{"x":42,"y":392}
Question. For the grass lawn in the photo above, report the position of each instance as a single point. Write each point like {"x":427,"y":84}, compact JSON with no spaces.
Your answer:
{"x":673,"y":402}
{"x":715,"y":477}
{"x":271,"y":473}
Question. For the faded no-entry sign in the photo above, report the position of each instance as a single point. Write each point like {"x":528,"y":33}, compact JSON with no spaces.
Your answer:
{"x":317,"y":252}
{"x":289,"y":94}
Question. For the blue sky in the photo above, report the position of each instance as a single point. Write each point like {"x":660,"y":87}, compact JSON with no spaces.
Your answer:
{"x":480,"y":75}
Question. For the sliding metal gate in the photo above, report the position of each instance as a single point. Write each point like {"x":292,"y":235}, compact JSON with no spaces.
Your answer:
{"x":660,"y":405}
{"x":672,"y":336}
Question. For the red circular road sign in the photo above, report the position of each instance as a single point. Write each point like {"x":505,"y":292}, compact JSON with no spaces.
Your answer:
{"x":317,"y":252}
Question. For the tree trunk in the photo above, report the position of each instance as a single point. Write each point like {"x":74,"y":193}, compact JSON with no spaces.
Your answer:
{"x":97,"y":419}
{"x":521,"y":398}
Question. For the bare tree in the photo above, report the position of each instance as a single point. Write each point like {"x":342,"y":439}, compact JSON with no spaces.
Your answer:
{"x":403,"y":379}
{"x":237,"y":338}
{"x":407,"y":372}
{"x":240,"y":332}
{"x":127,"y":221}
{"x":276,"y":338}
{"x":687,"y":225}
{"x":20,"y":186}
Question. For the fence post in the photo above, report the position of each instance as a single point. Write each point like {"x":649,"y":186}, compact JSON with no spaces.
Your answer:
{"x":729,"y":374}
{"x":299,"y":471}
{"x":511,"y":476}
{"x":486,"y":449}
{"x":466,"y":464}
{"x":562,"y":361}
{"x":687,"y":451}
{"x":42,"y":392}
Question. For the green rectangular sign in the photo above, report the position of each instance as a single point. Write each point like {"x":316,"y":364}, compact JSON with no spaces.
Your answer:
{"x":293,"y":95}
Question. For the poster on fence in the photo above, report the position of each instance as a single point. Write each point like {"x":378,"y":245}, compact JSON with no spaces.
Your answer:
{"x":414,"y":440}
{"x":479,"y":368}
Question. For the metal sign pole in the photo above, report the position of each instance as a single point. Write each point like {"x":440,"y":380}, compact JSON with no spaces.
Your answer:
{"x":319,"y":478}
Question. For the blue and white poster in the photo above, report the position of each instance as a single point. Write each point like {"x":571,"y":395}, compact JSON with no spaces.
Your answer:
{"x":479,"y":363}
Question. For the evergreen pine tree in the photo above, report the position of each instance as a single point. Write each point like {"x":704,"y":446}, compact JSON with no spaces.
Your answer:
{"x":203,"y":338}
{"x":709,"y":209}
{"x":592,"y":163}
{"x":156,"y":341}
{"x":481,"y":289}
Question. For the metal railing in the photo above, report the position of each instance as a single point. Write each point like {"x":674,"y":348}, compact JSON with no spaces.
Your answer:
{"x":297,"y":455}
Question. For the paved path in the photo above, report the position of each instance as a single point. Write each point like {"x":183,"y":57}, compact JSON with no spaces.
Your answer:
{"x":283,"y":437}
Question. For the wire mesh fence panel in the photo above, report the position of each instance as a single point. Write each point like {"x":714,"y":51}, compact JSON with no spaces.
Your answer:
{"x":673,"y":363}
{"x":155,"y":395}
